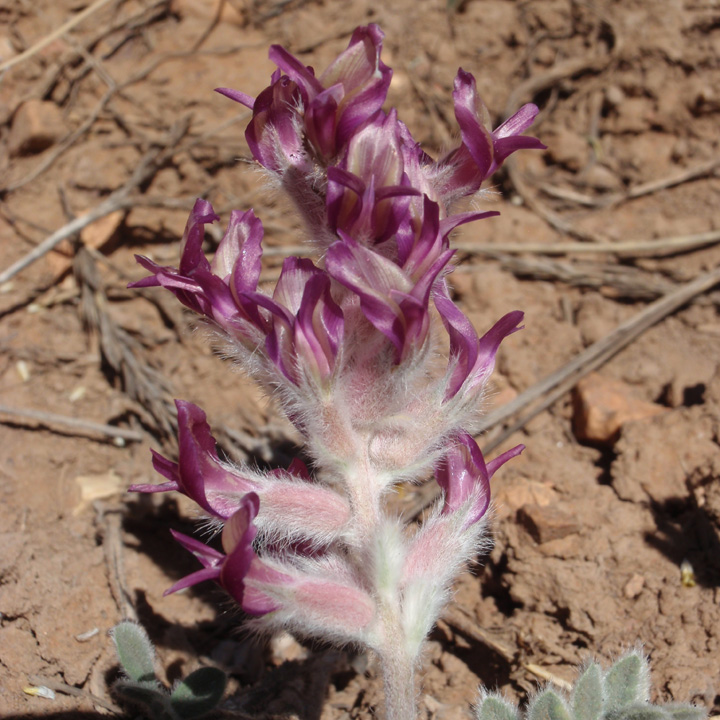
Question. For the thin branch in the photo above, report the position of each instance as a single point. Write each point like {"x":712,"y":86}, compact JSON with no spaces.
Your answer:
{"x":54,"y":35}
{"x":595,"y":355}
{"x":548,"y":676}
{"x":66,"y":689}
{"x":610,"y":200}
{"x":461,"y":622}
{"x":47,"y":418}
{"x":675,"y":179}
{"x":628,"y":248}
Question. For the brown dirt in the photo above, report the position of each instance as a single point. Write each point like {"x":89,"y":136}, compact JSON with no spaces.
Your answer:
{"x":588,"y":540}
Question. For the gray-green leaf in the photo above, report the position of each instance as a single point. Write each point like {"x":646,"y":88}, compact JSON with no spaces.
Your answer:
{"x":135,"y":651}
{"x":548,"y":705}
{"x":493,"y":707}
{"x":587,"y":697}
{"x":627,"y":683}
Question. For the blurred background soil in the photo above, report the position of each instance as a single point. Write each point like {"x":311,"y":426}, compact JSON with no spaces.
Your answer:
{"x":619,"y":485}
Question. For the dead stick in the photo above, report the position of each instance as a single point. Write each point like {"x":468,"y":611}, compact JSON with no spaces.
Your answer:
{"x":66,"y":689}
{"x":677,"y":179}
{"x":627,"y":248}
{"x":44,"y":42}
{"x":611,"y":200}
{"x":461,"y":622}
{"x":117,"y":201}
{"x":71,"y":422}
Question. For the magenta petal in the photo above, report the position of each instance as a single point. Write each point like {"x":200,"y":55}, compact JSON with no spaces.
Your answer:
{"x":517,"y":123}
{"x":507,"y":146}
{"x":321,"y":119}
{"x":166,"y":468}
{"x":319,"y":327}
{"x":273,"y":134}
{"x":344,"y":198}
{"x":240,"y":97}
{"x":461,"y":473}
{"x":304,"y":76}
{"x":209,"y":573}
{"x":488,"y":346}
{"x":371,"y":277}
{"x":192,"y":257}
{"x":242,"y":563}
{"x":299,"y":469}
{"x":209,"y":557}
{"x":495,"y":464}
{"x":240,"y":252}
{"x":201,"y":476}
{"x":447,"y":225}
{"x":294,"y":276}
{"x":364,"y":76}
{"x":469,"y":113}
{"x":463,"y":340}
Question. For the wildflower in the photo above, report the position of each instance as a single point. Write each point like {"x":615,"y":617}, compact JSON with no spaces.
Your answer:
{"x":348,"y":344}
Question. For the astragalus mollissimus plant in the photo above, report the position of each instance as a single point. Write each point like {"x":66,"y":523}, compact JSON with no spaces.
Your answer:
{"x":349,"y":347}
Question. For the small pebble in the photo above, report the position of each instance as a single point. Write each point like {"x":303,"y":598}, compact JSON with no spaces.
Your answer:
{"x":634,"y":586}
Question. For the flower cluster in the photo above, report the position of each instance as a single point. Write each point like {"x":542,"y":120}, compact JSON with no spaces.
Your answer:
{"x":349,"y":345}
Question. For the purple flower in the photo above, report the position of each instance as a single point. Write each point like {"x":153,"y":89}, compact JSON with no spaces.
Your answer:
{"x":482,"y":151}
{"x":472,"y":359}
{"x":199,"y":474}
{"x":368,"y":191}
{"x":217,"y":290}
{"x":325,"y":110}
{"x":291,"y":502}
{"x":350,"y":91}
{"x":462,"y":171}
{"x":301,"y":325}
{"x":306,"y":326}
{"x":239,"y":571}
{"x":328,"y":598}
{"x":463,"y":474}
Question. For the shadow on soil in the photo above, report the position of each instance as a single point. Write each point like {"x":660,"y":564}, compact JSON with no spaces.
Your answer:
{"x":686,"y":532}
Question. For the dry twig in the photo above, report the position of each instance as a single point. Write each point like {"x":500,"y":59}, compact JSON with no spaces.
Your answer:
{"x":461,"y":622}
{"x":54,"y":35}
{"x":47,"y":419}
{"x":143,"y":383}
{"x":66,"y":689}
{"x":610,"y":200}
{"x":628,"y":248}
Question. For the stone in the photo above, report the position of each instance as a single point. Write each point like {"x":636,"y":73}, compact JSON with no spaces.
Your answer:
{"x":547,"y":522}
{"x":36,"y":125}
{"x":633,"y":587}
{"x":602,"y":406}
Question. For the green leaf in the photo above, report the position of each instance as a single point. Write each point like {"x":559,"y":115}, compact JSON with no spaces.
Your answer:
{"x":627,"y":683}
{"x":135,"y":651}
{"x":494,"y":707}
{"x":199,"y":693}
{"x":587,"y":697}
{"x":548,"y":705}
